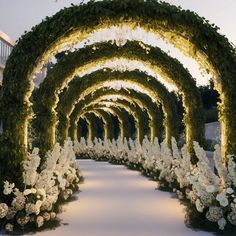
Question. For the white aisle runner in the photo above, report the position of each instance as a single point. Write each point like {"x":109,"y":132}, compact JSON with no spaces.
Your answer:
{"x":116,"y":201}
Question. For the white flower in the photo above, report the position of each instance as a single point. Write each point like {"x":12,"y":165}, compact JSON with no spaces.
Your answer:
{"x":46,"y":205}
{"x":19,"y":202}
{"x":224,"y":202}
{"x":232,"y":218}
{"x":8,"y":188}
{"x":23,"y":220}
{"x":11,"y":213}
{"x":31,"y":208}
{"x":46,"y":216}
{"x":27,"y":192}
{"x":199,"y":206}
{"x":53,"y":215}
{"x":229,"y":190}
{"x":210,"y":188}
{"x":221,"y":223}
{"x":30,"y":167}
{"x":214,"y":214}
{"x":3,"y":210}
{"x":9,"y":227}
{"x":39,"y":221}
{"x":220,"y":196}
{"x":33,"y":190}
{"x":222,"y":199}
{"x":41,"y":192}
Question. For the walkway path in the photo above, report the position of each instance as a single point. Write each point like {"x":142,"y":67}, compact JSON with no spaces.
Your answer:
{"x":116,"y":201}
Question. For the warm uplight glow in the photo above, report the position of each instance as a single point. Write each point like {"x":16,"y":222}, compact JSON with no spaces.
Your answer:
{"x":119,"y":84}
{"x":114,"y":98}
{"x":122,"y":34}
{"x":130,"y":31}
{"x":124,"y":64}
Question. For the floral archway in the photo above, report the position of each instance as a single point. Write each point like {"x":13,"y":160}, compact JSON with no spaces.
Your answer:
{"x":212,"y":193}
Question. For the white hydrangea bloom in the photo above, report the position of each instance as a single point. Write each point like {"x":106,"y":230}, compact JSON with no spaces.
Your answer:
{"x":222,"y":199}
{"x":199,"y":206}
{"x":19,"y":201}
{"x":229,"y":190}
{"x":222,"y":223}
{"x":210,"y":188}
{"x":214,"y":214}
{"x":8,"y":188}
{"x":3,"y":210}
{"x":9,"y":227}
{"x":22,"y":221}
{"x":232,"y":218}
{"x":39,"y":221}
{"x":30,"y":167}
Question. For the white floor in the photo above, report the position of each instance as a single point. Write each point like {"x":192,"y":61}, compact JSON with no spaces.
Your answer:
{"x":116,"y":201}
{"x":213,"y":131}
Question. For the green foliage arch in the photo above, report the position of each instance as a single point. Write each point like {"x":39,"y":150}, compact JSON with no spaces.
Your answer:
{"x":88,"y":83}
{"x":185,"y":29}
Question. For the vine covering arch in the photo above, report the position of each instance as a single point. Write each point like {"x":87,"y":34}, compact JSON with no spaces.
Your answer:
{"x":91,"y":82}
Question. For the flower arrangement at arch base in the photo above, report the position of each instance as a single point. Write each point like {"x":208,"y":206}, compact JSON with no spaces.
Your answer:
{"x":207,"y":188}
{"x":45,"y":187}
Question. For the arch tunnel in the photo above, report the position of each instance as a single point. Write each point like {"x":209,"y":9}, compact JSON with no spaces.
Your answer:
{"x":176,"y":30}
{"x":110,"y":85}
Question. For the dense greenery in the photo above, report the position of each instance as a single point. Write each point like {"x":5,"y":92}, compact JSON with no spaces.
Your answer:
{"x":109,"y":132}
{"x":95,"y":126}
{"x":210,"y":98}
{"x":82,"y":129}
